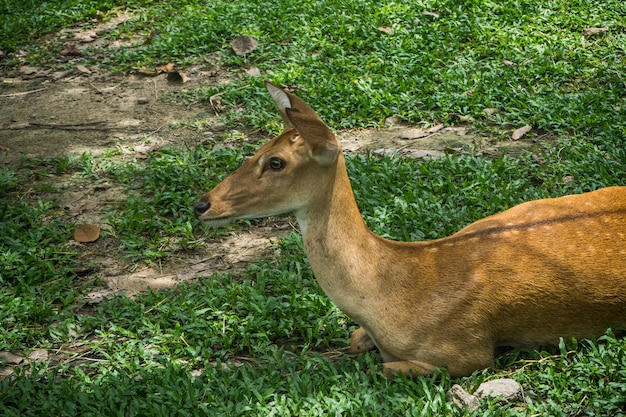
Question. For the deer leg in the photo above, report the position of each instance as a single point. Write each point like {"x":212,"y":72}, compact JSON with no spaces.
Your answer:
{"x":408,"y":368}
{"x":361,"y":342}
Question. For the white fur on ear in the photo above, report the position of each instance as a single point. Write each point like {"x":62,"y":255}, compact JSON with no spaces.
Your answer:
{"x":282,"y":101}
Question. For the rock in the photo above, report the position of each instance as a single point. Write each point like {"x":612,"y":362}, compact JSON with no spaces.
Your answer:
{"x":506,"y":388}
{"x":422,"y":154}
{"x":218,"y":127}
{"x":462,"y":398}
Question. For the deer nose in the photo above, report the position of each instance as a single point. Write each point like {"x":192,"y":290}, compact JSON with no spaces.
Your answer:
{"x":201,"y":207}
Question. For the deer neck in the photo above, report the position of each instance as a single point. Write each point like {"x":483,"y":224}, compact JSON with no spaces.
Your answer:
{"x":342,"y":251}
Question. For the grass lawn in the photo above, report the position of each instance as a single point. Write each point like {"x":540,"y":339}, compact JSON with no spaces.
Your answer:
{"x":265,"y":340}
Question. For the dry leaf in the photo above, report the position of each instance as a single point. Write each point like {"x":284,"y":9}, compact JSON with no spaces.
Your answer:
{"x":490,"y":111}
{"x":85,"y":233}
{"x":254,"y":71}
{"x":177,"y":77}
{"x":386,"y":29}
{"x":83,"y":69}
{"x":391,"y":121}
{"x":169,"y":67}
{"x":96,"y":297}
{"x":86,"y":37}
{"x":413,"y":134}
{"x":216,"y":102}
{"x":244,"y":44}
{"x":71,"y":50}
{"x":518,"y":133}
{"x":150,"y":72}
{"x":435,"y":128}
{"x":26,"y":70}
{"x":38,"y":355}
{"x":4,"y":372}
{"x":595,"y":31}
{"x":509,"y":63}
{"x":432,"y":14}
{"x":141,"y":151}
{"x":11,"y":358}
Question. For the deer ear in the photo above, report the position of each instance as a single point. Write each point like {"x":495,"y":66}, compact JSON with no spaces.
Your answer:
{"x":281,"y":99}
{"x":297,"y":114}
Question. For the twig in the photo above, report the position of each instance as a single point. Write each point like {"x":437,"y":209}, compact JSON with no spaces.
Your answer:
{"x":22,"y":93}
{"x":66,"y":125}
{"x":98,"y":125}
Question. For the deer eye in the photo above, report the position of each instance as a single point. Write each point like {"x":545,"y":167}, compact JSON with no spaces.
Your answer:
{"x":276,"y":164}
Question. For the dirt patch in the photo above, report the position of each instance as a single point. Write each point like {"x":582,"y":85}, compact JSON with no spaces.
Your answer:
{"x":78,"y":114}
{"x":80,"y":110}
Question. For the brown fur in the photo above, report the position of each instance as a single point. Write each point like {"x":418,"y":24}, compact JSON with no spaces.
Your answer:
{"x":539,"y":271}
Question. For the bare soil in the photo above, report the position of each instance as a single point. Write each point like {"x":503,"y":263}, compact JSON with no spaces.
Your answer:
{"x":51,"y":114}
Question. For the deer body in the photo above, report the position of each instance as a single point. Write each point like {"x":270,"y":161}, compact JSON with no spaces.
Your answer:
{"x":539,"y":271}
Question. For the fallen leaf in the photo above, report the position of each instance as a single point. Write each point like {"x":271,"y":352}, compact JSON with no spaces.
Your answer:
{"x":413,"y":134}
{"x":71,"y":50}
{"x":86,"y":37}
{"x":26,"y":70}
{"x":150,"y":72}
{"x":490,"y":111}
{"x":83,"y":69}
{"x":435,"y":128}
{"x":518,"y":133}
{"x":509,"y":63}
{"x":595,"y":31}
{"x":432,"y":14}
{"x":96,"y":297}
{"x":4,"y":372}
{"x":11,"y":358}
{"x":254,"y":71}
{"x":460,"y":131}
{"x":390,"y":121}
{"x":177,"y":77}
{"x":169,"y":67}
{"x":85,"y":233}
{"x":386,"y":29}
{"x":216,"y":102}
{"x":244,"y":44}
{"x":141,"y":151}
{"x":38,"y":355}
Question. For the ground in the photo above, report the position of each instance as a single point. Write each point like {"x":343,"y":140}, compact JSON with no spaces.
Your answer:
{"x":81,"y":110}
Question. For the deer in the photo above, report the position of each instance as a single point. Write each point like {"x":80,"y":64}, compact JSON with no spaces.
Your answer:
{"x":528,"y":276}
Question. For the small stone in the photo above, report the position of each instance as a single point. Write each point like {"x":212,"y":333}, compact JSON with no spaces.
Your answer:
{"x":218,"y":127}
{"x":142,"y":100}
{"x":506,"y":388}
{"x":462,"y":398}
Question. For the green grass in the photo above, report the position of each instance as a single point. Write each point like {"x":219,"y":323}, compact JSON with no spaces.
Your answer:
{"x":265,"y":340}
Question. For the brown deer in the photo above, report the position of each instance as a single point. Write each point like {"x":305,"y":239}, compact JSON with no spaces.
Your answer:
{"x":539,"y":271}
